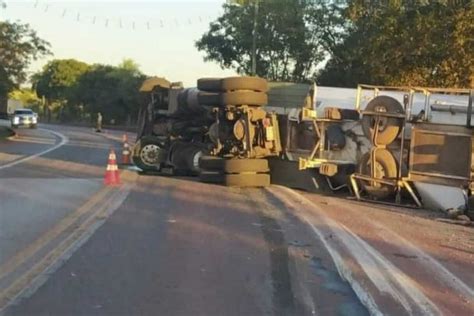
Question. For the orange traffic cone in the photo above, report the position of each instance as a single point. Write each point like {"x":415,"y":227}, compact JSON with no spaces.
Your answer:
{"x":112,"y":176}
{"x":125,"y":151}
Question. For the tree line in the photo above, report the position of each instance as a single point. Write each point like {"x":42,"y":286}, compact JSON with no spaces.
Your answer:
{"x":346,"y":42}
{"x":75,"y":91}
{"x":65,"y":89}
{"x":333,"y":42}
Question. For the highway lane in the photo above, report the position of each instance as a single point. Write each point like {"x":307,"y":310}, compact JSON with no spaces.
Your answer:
{"x":174,"y":247}
{"x":180,"y":247}
{"x":47,"y":175}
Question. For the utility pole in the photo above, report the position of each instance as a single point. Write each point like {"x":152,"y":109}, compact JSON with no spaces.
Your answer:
{"x":3,"y":94}
{"x":254,"y":38}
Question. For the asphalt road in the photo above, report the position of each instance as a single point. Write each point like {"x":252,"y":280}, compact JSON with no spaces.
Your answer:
{"x":167,"y":246}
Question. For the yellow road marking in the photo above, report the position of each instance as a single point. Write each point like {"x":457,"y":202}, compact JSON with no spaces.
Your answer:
{"x":25,"y":254}
{"x":21,"y":283}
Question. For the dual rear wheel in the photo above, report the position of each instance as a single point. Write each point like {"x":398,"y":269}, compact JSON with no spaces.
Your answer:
{"x":237,"y":91}
{"x":235,"y":172}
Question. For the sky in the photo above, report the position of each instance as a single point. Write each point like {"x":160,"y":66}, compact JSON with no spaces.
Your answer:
{"x":159,"y":35}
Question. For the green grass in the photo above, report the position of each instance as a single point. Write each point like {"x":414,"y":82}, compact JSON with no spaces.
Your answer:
{"x":6,"y":132}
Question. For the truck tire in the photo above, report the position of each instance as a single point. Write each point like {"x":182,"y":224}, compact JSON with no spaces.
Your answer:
{"x":211,"y":163}
{"x":211,"y":177}
{"x":232,"y":84}
{"x":244,"y":83}
{"x":233,"y":98}
{"x":386,"y":166}
{"x":209,"y":98}
{"x":209,"y":84}
{"x":245,"y":165}
{"x":389,"y":127}
{"x":149,"y":156}
{"x":193,"y":156}
{"x":243,"y":98}
{"x":247,"y":180}
{"x":233,"y":165}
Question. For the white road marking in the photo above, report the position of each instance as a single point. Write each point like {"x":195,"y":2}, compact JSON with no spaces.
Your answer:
{"x":429,"y":263}
{"x":386,"y":277}
{"x":64,"y":140}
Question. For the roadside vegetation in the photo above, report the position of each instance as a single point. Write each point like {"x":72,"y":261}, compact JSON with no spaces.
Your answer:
{"x":68,"y":90}
{"x":65,"y":90}
{"x":72,"y":90}
{"x":346,"y":42}
{"x":19,"y":46}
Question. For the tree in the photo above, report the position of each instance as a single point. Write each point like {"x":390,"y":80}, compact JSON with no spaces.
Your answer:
{"x":284,"y":45}
{"x":58,"y":77}
{"x":28,"y":98}
{"x":424,"y":43}
{"x":129,"y":79}
{"x":19,"y":45}
{"x":56,"y":83}
{"x":113,"y":91}
{"x":346,"y":42}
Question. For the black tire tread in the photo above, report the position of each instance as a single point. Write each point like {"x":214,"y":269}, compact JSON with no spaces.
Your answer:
{"x":209,"y":98}
{"x":209,"y":84}
{"x":211,"y":177}
{"x":211,"y":163}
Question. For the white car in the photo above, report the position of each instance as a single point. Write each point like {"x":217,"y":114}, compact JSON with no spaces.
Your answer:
{"x":24,"y":117}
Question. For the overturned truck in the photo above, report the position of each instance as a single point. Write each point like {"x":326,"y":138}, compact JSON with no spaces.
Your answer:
{"x":172,"y":129}
{"x":388,"y":144}
{"x":220,"y":130}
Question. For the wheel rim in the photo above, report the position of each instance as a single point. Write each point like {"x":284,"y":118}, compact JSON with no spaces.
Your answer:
{"x":149,"y":154}
{"x":196,"y":158}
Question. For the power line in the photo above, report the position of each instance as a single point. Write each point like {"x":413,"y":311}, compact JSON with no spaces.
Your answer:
{"x":130,"y":23}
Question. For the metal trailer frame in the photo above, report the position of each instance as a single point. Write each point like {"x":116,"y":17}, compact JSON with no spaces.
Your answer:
{"x":401,"y":182}
{"x":318,"y":156}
